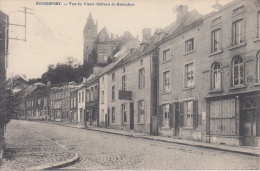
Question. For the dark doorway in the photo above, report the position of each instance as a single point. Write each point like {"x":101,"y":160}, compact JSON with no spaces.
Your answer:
{"x":131,"y":116}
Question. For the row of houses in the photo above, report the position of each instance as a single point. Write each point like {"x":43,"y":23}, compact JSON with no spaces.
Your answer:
{"x":196,"y":79}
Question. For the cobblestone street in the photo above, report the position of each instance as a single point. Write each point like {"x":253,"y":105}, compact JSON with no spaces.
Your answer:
{"x":108,"y":151}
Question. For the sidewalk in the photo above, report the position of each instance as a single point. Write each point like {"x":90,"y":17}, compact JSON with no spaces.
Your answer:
{"x":253,"y":151}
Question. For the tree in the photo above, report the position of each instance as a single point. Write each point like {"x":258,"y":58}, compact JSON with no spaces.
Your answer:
{"x":9,"y":103}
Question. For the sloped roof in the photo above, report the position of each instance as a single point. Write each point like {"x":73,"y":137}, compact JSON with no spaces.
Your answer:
{"x":90,"y":24}
{"x":189,"y":20}
{"x":41,"y":91}
{"x":101,"y":33}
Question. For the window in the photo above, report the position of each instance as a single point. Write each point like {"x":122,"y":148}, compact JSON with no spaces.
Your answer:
{"x":75,"y":103}
{"x":216,"y":21}
{"x":141,"y":62}
{"x":91,"y":94}
{"x":39,"y":101}
{"x":71,"y":103}
{"x":189,"y":75}
{"x":166,"y":109}
{"x":141,"y":79}
{"x":223,"y":117}
{"x":79,"y":96}
{"x":215,"y":41}
{"x":238,"y":10}
{"x":238,"y":71}
{"x":258,"y":67}
{"x":45,"y":101}
{"x":141,"y":111}
{"x":238,"y":32}
{"x":189,"y":45}
{"x":102,"y":96}
{"x":166,"y":55}
{"x":124,"y":70}
{"x":113,"y":115}
{"x":166,"y":82}
{"x":113,"y":92}
{"x":216,"y":76}
{"x":124,"y":113}
{"x":83,"y":96}
{"x":188,"y":114}
{"x":124,"y":83}
{"x":113,"y":77}
{"x":258,"y":24}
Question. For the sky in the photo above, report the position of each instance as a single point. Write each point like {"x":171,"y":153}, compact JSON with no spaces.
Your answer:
{"x":55,"y":32}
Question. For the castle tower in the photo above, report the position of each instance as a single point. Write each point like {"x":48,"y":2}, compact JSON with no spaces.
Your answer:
{"x":89,"y":37}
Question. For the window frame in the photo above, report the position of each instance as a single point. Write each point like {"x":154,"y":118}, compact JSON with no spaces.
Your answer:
{"x":258,"y":67}
{"x":141,"y":111}
{"x":185,"y":80}
{"x":213,"y":78}
{"x":239,"y":65}
{"x":124,"y":113}
{"x":240,"y":35}
{"x":124,"y":83}
{"x":187,"y":50}
{"x":164,"y":55}
{"x":113,"y":116}
{"x":113,"y":93}
{"x":164,"y":81}
{"x":213,"y":44}
{"x":141,"y":78}
{"x":113,"y":75}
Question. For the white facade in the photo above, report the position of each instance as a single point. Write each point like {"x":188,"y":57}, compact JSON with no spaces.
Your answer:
{"x":103,"y":101}
{"x":81,"y":103}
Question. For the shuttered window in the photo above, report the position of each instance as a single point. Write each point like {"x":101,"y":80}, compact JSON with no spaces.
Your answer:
{"x":188,"y":114}
{"x":222,"y":117}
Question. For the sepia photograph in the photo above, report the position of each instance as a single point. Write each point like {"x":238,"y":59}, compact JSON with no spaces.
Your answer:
{"x":129,"y":85}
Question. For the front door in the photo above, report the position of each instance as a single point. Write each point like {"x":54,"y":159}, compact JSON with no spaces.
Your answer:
{"x":131,"y":116}
{"x":249,"y":127}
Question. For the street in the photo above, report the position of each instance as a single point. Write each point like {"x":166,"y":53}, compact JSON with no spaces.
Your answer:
{"x":105,"y":151}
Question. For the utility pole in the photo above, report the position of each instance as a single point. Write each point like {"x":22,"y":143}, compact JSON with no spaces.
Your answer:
{"x":25,"y":11}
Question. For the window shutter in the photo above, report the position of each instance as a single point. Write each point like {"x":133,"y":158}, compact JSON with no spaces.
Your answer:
{"x":257,"y":115}
{"x":177,"y":113}
{"x":181,"y":121}
{"x":144,"y":79}
{"x":171,"y":115}
{"x":160,"y":119}
{"x":108,"y":117}
{"x":195,"y":113}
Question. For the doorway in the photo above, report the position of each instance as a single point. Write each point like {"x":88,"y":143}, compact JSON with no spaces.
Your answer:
{"x":131,"y":116}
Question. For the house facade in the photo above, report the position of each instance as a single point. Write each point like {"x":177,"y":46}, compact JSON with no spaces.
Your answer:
{"x":231,"y":74}
{"x":74,"y":105}
{"x":81,"y":103}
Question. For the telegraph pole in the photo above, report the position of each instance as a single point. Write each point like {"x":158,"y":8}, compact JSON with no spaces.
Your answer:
{"x":25,"y":11}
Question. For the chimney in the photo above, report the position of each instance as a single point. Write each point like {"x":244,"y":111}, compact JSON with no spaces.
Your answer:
{"x":84,"y":80}
{"x":48,"y":83}
{"x":181,"y":10}
{"x":112,"y":36}
{"x":216,"y":6}
{"x":132,"y":50}
{"x":146,"y":33}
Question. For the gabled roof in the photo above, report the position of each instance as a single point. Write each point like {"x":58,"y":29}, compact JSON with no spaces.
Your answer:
{"x":103,"y":32}
{"x":90,"y":24}
{"x":41,"y":91}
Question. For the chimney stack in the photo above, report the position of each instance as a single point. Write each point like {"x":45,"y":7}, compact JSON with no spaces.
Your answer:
{"x":112,"y":36}
{"x":181,"y":10}
{"x":146,"y":33}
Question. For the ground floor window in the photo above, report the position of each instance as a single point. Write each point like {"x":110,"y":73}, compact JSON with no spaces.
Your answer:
{"x":113,"y":115}
{"x":222,"y":117}
{"x":124,"y":116}
{"x":166,"y":115}
{"x":141,"y":111}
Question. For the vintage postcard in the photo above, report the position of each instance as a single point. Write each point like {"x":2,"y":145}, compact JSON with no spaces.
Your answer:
{"x":130,"y":84}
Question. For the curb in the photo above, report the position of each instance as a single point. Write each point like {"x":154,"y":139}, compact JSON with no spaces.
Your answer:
{"x":57,"y":165}
{"x":183,"y":143}
{"x":168,"y":141}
